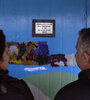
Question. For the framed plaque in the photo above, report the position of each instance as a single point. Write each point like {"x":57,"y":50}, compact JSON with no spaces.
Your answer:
{"x":43,"y":28}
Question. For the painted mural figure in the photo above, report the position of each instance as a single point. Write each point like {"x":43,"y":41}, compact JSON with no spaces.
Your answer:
{"x":58,"y":58}
{"x":79,"y":89}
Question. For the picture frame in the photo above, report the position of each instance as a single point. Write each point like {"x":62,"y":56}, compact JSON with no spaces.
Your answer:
{"x":43,"y":28}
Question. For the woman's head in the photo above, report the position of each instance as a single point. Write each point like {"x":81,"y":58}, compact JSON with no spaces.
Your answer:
{"x":2,"y":44}
{"x":4,"y":52}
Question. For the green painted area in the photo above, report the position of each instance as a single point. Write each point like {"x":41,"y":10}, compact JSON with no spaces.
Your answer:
{"x":50,"y":83}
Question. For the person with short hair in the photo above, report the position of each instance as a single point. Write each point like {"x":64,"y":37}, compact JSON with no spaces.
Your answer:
{"x":10,"y":88}
{"x":79,"y":89}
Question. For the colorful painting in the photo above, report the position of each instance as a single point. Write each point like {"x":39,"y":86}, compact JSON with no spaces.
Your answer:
{"x":37,"y":53}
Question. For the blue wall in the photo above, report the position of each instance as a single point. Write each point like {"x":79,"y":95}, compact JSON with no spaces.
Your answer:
{"x":16,"y":21}
{"x":88,"y":13}
{"x":70,"y":15}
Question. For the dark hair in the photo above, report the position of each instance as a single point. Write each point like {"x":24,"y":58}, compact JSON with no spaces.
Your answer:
{"x":84,"y":43}
{"x":2,"y":44}
{"x":3,"y":88}
{"x":84,"y":33}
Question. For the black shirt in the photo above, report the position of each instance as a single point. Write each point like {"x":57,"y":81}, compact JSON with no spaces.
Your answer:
{"x":13,"y":89}
{"x":77,"y":90}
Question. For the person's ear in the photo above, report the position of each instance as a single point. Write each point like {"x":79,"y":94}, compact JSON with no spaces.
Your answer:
{"x":86,"y":57}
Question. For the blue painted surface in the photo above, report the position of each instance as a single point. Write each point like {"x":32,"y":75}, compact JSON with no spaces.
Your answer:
{"x":16,"y":21}
{"x":19,"y":72}
{"x":88,"y":13}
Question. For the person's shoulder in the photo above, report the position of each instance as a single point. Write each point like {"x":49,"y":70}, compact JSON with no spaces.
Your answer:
{"x":76,"y":90}
{"x":71,"y":86}
{"x":15,"y":81}
{"x":18,"y":84}
{"x":67,"y":90}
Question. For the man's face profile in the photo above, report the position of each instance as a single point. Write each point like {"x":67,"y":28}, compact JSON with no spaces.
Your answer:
{"x":78,"y":54}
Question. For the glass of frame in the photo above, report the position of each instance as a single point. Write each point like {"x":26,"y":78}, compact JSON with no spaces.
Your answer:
{"x":43,"y":28}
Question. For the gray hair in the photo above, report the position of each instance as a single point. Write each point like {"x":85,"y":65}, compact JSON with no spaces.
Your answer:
{"x":84,"y":42}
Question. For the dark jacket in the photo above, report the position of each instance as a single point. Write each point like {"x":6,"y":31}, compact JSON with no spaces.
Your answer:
{"x":77,"y":90}
{"x":14,"y":89}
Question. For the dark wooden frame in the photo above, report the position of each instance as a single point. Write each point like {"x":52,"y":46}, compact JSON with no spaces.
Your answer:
{"x":42,"y":35}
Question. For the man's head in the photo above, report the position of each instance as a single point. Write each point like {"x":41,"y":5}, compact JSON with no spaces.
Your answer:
{"x":83,"y":49}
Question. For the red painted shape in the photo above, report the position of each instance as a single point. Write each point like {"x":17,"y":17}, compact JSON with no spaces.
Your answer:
{"x":53,"y":64}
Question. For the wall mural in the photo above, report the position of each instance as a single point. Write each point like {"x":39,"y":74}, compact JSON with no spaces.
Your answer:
{"x":37,"y":53}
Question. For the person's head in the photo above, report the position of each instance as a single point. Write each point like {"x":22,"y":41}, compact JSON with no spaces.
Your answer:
{"x":4,"y":52}
{"x":83,"y":49}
